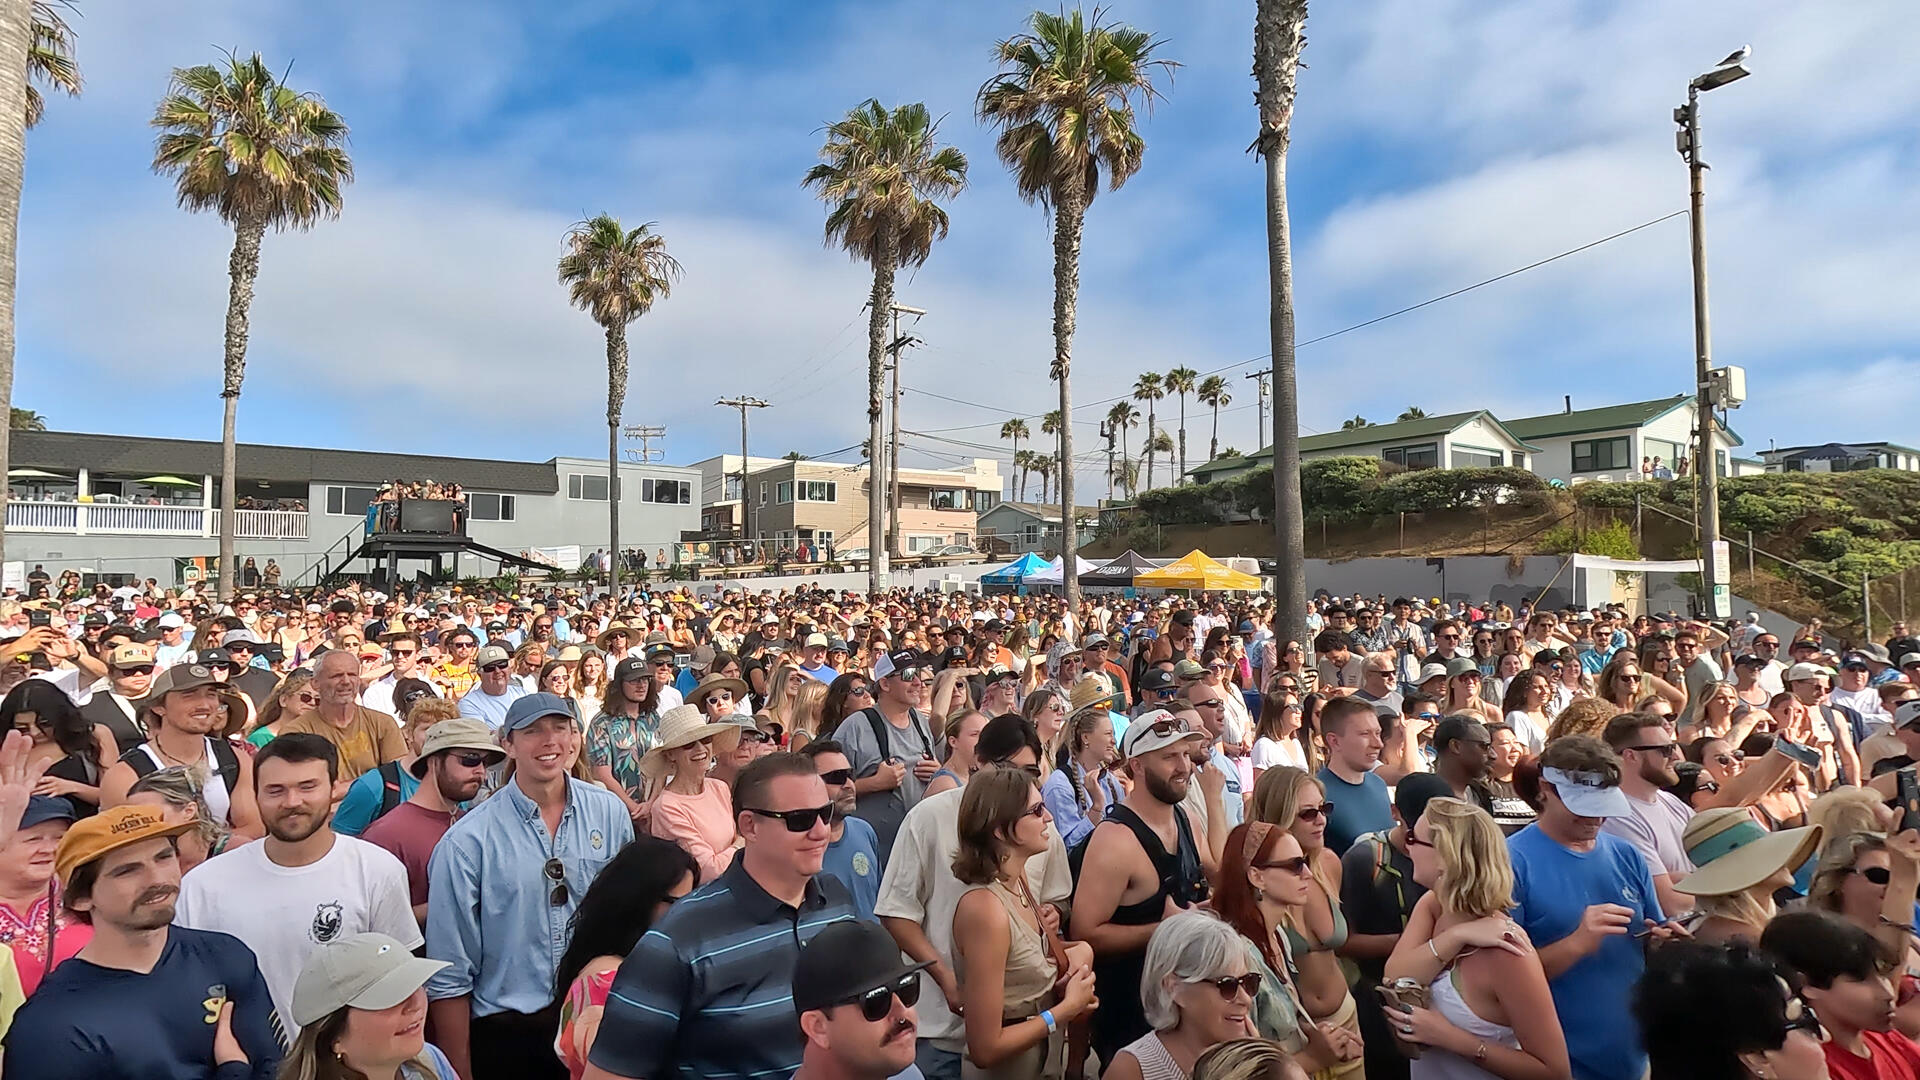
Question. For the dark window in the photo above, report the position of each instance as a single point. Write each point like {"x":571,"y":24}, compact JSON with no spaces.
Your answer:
{"x":1476,"y":459}
{"x":1422,"y":456}
{"x":1599,"y":455}
{"x":344,"y":501}
{"x":587,"y":486}
{"x":490,"y":507}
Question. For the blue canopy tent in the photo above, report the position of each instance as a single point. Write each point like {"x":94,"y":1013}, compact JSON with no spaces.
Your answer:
{"x":1011,"y":574}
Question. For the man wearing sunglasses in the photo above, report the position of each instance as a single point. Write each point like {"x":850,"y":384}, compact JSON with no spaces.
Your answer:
{"x":855,"y":1001}
{"x":498,"y":689}
{"x":689,"y":1000}
{"x":889,"y":743}
{"x":453,"y":761}
{"x":531,"y":850}
{"x":403,"y":652}
{"x":853,"y":854}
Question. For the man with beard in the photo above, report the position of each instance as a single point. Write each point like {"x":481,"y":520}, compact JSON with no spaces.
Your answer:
{"x":852,"y":855}
{"x":1654,"y":820}
{"x":257,"y":683}
{"x":144,"y":998}
{"x":855,"y":1000}
{"x":1139,"y":866}
{"x":304,"y":885}
{"x":183,"y":708}
{"x":1463,"y":752}
{"x":453,"y":762}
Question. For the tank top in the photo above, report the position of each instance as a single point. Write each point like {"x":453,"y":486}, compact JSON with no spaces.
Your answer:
{"x":213,"y":786}
{"x":1121,"y":1018}
{"x":1437,"y":1064}
{"x":1028,"y":981}
{"x":1155,"y":1062}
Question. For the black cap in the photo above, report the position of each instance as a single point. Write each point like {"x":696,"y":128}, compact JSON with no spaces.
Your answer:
{"x":994,"y":625}
{"x":215,"y":656}
{"x":842,"y":962}
{"x":1414,"y":791}
{"x":1458,"y":726}
{"x":1156,"y":678}
{"x":956,"y":654}
{"x":631,"y":668}
{"x":94,"y":619}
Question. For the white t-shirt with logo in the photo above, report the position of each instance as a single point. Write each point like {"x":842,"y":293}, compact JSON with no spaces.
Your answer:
{"x":283,"y":913}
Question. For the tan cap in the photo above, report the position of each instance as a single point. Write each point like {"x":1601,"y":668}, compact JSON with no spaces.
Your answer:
{"x":131,"y":654}
{"x":108,"y":831}
{"x":363,"y":971}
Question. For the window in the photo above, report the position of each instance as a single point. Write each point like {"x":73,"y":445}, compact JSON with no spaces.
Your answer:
{"x":984,"y":501}
{"x":949,"y":499}
{"x":1420,"y":456}
{"x":1466,"y":457}
{"x":783,"y":492}
{"x":1519,"y":460}
{"x":924,"y":543}
{"x":823,"y":539}
{"x":345,"y":501}
{"x":1599,"y":455}
{"x":1667,"y":451}
{"x":816,"y":491}
{"x":763,"y":493}
{"x":587,"y":487}
{"x":666,"y":491}
{"x":489,"y":507}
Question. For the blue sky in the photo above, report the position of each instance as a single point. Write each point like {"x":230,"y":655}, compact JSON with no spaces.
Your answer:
{"x":1439,"y":142}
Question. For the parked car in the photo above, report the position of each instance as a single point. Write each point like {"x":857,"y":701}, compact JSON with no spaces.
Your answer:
{"x":951,"y":549}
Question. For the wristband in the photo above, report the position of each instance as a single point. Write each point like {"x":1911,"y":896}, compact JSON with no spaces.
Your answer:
{"x":1046,"y":1017}
{"x":1434,"y":951}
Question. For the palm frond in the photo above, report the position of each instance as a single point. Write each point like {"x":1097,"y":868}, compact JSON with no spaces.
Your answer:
{"x":883,"y":175}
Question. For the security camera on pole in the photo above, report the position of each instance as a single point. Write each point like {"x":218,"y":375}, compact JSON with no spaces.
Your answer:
{"x":1715,"y":558}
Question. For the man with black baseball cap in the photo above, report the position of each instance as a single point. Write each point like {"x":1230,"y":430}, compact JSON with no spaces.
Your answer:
{"x":855,"y":1001}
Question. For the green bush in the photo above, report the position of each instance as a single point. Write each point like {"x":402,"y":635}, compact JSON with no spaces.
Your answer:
{"x":1337,"y":486}
{"x":1455,"y":489}
{"x":1613,"y":540}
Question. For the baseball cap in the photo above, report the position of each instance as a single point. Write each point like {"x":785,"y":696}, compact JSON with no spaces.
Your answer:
{"x":1000,"y":673}
{"x":816,"y":640}
{"x":1459,"y":726}
{"x":240,"y":637}
{"x":1805,"y":670}
{"x":108,"y":831}
{"x":462,"y":733}
{"x":631,"y":668}
{"x":529,"y":708}
{"x":178,"y":677}
{"x":844,"y":961}
{"x":1094,"y":640}
{"x":1909,"y":659}
{"x":362,"y":971}
{"x":952,"y":655}
{"x":1748,"y":660}
{"x":214,"y":656}
{"x":44,"y":808}
{"x":897,"y":661}
{"x":131,"y":654}
{"x":1433,"y":670}
{"x":1156,"y":729}
{"x":1461,"y":665}
{"x":835,"y":644}
{"x":172,"y":621}
{"x":1906,"y":714}
{"x":491,"y":654}
{"x":1415,"y":790}
{"x":993,"y":626}
{"x":1188,"y":669}
{"x":1587,"y":794}
{"x":1156,"y":678}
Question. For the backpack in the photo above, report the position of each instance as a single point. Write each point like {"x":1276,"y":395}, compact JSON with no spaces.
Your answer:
{"x":880,"y":725}
{"x":389,"y":790}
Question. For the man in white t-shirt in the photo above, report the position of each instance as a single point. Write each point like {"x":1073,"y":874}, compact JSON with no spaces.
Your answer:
{"x":175,"y":644}
{"x":304,"y":885}
{"x":1851,"y":687}
{"x":1658,"y":820}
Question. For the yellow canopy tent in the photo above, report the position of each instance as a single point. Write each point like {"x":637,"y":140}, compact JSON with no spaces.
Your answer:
{"x":1196,"y":570}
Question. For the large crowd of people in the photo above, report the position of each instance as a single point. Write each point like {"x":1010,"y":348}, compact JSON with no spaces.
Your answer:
{"x":342,"y":835}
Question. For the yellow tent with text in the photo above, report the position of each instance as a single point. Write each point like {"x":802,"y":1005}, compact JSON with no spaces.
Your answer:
{"x":1197,"y":570}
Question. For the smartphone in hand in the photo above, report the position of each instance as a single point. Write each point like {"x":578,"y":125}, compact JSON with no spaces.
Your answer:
{"x":1907,"y":788}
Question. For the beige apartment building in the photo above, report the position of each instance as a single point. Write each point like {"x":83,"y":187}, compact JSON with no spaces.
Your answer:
{"x":825,"y":504}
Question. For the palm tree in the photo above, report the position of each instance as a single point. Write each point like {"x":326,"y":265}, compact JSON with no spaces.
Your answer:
{"x":616,"y":275}
{"x":1063,"y":101}
{"x":1161,"y":443}
{"x":793,"y":455}
{"x":1022,"y":463}
{"x":1213,"y":392}
{"x":1044,"y":465}
{"x":1121,"y":417}
{"x":1279,"y":33}
{"x":1015,"y":429}
{"x":1357,"y":421}
{"x":1181,"y":381}
{"x":1149,"y":388}
{"x":1127,"y":472}
{"x":262,"y":155}
{"x":1230,"y":452}
{"x":1413,"y":412}
{"x":26,"y":420}
{"x":884,"y":176}
{"x":49,"y":59}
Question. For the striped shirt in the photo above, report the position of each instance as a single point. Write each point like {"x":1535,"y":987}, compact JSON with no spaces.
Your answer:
{"x":708,"y":992}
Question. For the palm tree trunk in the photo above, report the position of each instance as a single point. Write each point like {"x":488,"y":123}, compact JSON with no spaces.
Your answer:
{"x":1019,"y":474}
{"x":16,"y":20}
{"x":879,"y":304}
{"x":243,"y":267}
{"x":1182,"y":478}
{"x":1068,"y":218}
{"x":1149,"y":444}
{"x":1213,"y":443}
{"x":1124,"y":455}
{"x":1279,"y":35}
{"x":616,"y":404}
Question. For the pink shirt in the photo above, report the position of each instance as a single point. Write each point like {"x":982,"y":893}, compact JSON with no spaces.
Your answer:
{"x":703,"y":824}
{"x":26,"y":935}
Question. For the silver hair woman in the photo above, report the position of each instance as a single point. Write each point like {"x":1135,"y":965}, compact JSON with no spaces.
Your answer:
{"x":1196,"y":991}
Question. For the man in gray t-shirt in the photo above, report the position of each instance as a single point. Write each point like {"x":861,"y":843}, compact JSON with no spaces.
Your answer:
{"x":1657,"y":822}
{"x":890,"y":778}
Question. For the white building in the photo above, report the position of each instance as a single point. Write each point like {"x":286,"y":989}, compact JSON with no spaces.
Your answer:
{"x":1609,"y":443}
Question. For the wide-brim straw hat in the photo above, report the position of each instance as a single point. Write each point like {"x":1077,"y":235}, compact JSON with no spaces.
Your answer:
{"x":681,"y":726}
{"x":1089,"y":691}
{"x":1731,"y":852}
{"x":699,"y":694}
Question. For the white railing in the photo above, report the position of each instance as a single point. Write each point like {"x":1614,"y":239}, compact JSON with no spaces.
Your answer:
{"x":81,"y":519}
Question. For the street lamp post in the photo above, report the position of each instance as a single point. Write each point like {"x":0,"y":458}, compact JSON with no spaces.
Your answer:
{"x":1706,"y":458}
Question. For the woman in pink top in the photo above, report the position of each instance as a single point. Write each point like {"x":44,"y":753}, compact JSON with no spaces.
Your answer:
{"x":689,"y":808}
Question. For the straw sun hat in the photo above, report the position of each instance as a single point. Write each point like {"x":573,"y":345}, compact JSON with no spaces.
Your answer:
{"x":1732,"y":853}
{"x":697,"y":697}
{"x":681,"y":726}
{"x":1088,"y":691}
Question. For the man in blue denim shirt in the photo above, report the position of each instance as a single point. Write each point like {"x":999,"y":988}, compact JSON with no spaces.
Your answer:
{"x":503,"y":886}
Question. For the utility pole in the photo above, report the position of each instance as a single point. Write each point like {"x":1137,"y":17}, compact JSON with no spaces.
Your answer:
{"x":746,"y":506}
{"x":1713,"y":552}
{"x":645,"y":434}
{"x":893,"y":442}
{"x":1107,"y":432}
{"x":1261,"y":377}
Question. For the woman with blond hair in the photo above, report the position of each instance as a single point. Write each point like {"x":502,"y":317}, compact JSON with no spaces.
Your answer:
{"x":1489,"y":1012}
{"x":1247,"y":1059}
{"x":1738,"y":866}
{"x":1315,"y":931}
{"x":1870,"y":880}
{"x":785,"y":685}
{"x":292,"y":699}
{"x":590,"y":682}
{"x":1586,"y":716}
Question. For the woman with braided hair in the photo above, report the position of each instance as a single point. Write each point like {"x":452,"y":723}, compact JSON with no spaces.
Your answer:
{"x":1081,"y":789}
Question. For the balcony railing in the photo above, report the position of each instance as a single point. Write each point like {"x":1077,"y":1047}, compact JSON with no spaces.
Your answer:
{"x":120,"y":519}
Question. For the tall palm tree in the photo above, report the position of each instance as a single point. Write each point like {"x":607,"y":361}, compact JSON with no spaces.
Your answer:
{"x":1044,"y":465}
{"x":1063,"y":101}
{"x":1213,"y":392}
{"x":793,"y":455}
{"x":1357,"y":421}
{"x":615,"y":275}
{"x":1127,"y":472}
{"x":1279,"y":34}
{"x":1015,"y":429}
{"x":1150,"y":389}
{"x":1022,"y":464}
{"x":884,"y":176}
{"x":1182,"y":381}
{"x":50,"y":59}
{"x":1412,"y":412}
{"x":245,"y":145}
{"x":1122,"y":415}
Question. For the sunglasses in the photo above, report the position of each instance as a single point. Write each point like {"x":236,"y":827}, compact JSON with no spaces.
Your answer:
{"x":1878,"y":875}
{"x":501,"y":666}
{"x":1414,"y":841}
{"x":876,"y":1004}
{"x":556,"y":872}
{"x":754,"y":737}
{"x":799,"y":821}
{"x":1801,"y":1018}
{"x":471,"y":761}
{"x":725,"y":697}
{"x":1230,"y":985}
{"x":1299,"y":864}
{"x":405,"y":652}
{"x":307,"y":699}
{"x":1663,"y":749}
{"x":1037,"y":810}
{"x":137,"y":669}
{"x":836,"y":777}
{"x":1312,"y":812}
{"x":860,"y":691}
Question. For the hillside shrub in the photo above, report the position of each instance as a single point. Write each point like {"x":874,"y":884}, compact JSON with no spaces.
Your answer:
{"x":1337,"y":486}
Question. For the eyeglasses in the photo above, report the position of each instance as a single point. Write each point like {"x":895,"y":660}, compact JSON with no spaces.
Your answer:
{"x":1663,"y":749}
{"x":1379,"y":671}
{"x":1299,"y":864}
{"x":1627,"y":677}
{"x":876,"y":1004}
{"x":1414,"y":841}
{"x":464,"y":645}
{"x":556,"y":872}
{"x":836,"y":777}
{"x":754,"y":737}
{"x":1229,"y":985}
{"x":1037,"y":810}
{"x":1312,"y":812}
{"x":1800,"y":1017}
{"x":1878,"y":875}
{"x":799,"y":821}
{"x":1210,"y":703}
{"x":860,"y":691}
{"x":1172,"y":726}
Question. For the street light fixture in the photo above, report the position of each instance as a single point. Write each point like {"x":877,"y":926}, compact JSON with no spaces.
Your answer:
{"x":1715,"y":557}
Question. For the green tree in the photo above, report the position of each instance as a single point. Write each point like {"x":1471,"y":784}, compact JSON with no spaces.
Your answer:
{"x":1022,"y":465}
{"x":1127,"y":472}
{"x":26,"y":420}
{"x":260,"y":154}
{"x":50,"y":59}
{"x":793,"y":455}
{"x":1063,"y":103}
{"x":1412,"y":412}
{"x":1182,"y":381}
{"x":1150,"y":389}
{"x":1213,"y":392}
{"x":883,"y":175}
{"x":1161,"y":443}
{"x":1015,"y":429}
{"x":1121,"y":416}
{"x":1355,"y":423}
{"x":1043,"y":464}
{"x":616,"y":275}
